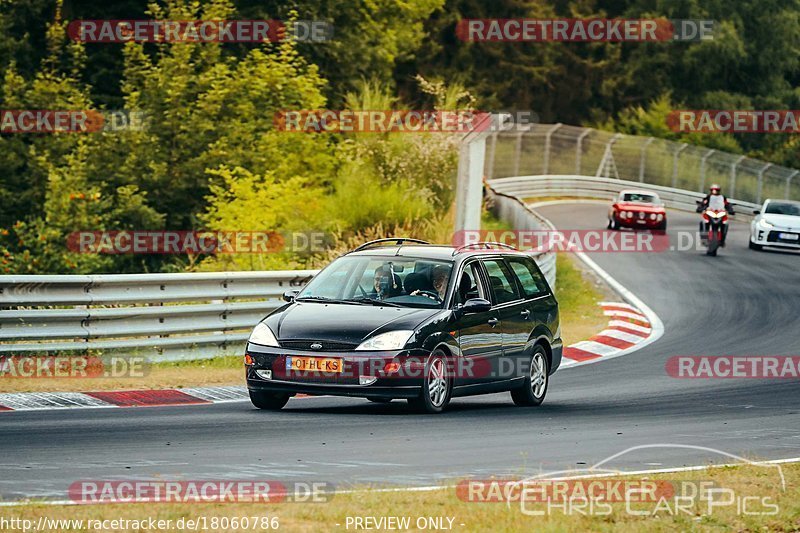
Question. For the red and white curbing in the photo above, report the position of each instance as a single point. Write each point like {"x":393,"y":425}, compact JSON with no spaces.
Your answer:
{"x":28,"y":401}
{"x":627,"y":327}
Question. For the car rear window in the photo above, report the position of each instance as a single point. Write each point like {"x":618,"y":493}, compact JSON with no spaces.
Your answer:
{"x":529,"y":276}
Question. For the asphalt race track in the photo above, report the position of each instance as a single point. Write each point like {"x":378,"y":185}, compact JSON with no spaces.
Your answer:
{"x":740,"y":303}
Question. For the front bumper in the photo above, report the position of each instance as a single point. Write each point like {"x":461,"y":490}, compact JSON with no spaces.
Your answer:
{"x":774,"y":237}
{"x":645,"y":223}
{"x":403,"y":383}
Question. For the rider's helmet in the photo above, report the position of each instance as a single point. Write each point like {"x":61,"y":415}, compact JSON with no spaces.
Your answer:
{"x":715,"y":189}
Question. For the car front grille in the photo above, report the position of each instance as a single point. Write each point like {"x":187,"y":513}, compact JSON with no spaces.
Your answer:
{"x":327,"y":346}
{"x":774,"y":236}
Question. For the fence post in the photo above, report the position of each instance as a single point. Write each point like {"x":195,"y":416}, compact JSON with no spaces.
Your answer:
{"x":675,"y":164}
{"x":703,"y":169}
{"x":518,"y":153}
{"x":761,"y":182}
{"x":490,"y":156}
{"x":733,"y":176}
{"x":789,"y":184}
{"x":643,"y":158}
{"x":546,"y":163}
{"x":579,"y":151}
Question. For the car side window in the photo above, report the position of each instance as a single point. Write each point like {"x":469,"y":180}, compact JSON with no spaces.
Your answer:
{"x":529,"y":276}
{"x":469,"y":285}
{"x":501,"y":281}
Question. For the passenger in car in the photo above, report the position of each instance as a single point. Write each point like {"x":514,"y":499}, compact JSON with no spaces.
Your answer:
{"x":386,"y":282}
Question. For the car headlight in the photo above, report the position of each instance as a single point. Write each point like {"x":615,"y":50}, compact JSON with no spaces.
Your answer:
{"x":652,"y":216}
{"x":263,"y":335}
{"x":392,"y":340}
{"x":765,"y":224}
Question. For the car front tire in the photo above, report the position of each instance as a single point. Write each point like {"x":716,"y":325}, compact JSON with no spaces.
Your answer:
{"x":754,"y":246}
{"x":271,"y":401}
{"x":534,"y":387}
{"x":437,"y":387}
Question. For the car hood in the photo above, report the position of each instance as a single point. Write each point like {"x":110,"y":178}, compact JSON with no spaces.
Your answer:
{"x":641,"y":207}
{"x":783,"y":221}
{"x":342,"y":322}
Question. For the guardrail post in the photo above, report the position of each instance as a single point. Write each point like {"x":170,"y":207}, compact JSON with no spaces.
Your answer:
{"x":789,"y":184}
{"x":675,"y":164}
{"x":579,"y":151}
{"x":703,"y":169}
{"x":469,"y":186}
{"x":761,"y":182}
{"x":733,"y":176}
{"x":643,"y":158}
{"x":546,"y":163}
{"x":518,"y":153}
{"x":490,"y":156}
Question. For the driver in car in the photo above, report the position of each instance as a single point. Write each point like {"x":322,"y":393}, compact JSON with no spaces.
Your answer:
{"x":439,"y":279}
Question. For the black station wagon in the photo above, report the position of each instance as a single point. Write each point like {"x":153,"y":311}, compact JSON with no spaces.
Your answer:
{"x":401,"y":318}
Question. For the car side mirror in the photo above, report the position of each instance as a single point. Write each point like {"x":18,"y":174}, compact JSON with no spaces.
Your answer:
{"x":756,"y":211}
{"x":474,"y":306}
{"x":290,"y":295}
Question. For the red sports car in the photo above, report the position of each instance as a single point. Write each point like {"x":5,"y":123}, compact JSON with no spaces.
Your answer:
{"x":637,"y":209}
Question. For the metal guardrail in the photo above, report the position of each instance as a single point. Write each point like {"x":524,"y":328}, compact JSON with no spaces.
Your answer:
{"x":158,"y":316}
{"x":522,"y":187}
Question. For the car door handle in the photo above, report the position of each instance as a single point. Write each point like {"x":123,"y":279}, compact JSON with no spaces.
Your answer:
{"x":493,"y":322}
{"x":526,"y":314}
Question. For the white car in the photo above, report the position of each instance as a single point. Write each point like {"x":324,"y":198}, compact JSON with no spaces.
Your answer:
{"x":777,"y":224}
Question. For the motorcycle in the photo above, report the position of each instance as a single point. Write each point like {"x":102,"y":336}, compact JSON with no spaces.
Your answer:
{"x":713,"y":228}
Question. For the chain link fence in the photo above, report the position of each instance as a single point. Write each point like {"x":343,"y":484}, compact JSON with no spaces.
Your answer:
{"x":558,"y":149}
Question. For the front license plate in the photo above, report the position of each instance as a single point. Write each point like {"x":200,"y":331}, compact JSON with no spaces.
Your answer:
{"x":788,"y":236}
{"x":313,"y":364}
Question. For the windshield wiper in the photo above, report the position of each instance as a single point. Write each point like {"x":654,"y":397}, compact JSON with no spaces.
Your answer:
{"x":373,"y":301}
{"x":321,"y":299}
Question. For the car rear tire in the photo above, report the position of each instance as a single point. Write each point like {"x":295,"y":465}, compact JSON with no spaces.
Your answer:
{"x":437,"y":387}
{"x":373,"y":399}
{"x":754,"y":246}
{"x":271,"y":401}
{"x":534,"y":388}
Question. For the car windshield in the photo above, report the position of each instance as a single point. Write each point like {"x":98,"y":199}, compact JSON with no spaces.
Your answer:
{"x":640,"y":198}
{"x":783,"y":208}
{"x":373,"y":280}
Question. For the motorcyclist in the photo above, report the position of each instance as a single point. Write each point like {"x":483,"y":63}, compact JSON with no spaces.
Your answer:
{"x":717,"y":201}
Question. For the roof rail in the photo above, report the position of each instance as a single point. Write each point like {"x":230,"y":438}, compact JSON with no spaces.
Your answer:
{"x":488,"y":246}
{"x":397,"y":240}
